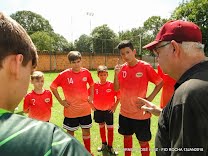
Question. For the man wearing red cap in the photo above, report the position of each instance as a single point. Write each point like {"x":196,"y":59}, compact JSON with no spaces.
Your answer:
{"x":182,"y":128}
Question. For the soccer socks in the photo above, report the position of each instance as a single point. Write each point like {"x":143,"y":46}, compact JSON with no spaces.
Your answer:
{"x":128,"y":145}
{"x":102,"y":133}
{"x":110,"y":135}
{"x":145,"y":148}
{"x":86,"y":140}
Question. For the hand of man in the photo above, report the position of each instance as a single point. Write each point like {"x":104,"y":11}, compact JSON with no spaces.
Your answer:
{"x":148,"y":106}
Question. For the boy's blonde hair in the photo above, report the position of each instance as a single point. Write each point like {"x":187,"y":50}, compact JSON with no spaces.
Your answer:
{"x":37,"y":75}
{"x":102,"y":68}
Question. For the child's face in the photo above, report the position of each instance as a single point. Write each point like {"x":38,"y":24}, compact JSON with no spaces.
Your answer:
{"x":38,"y":83}
{"x":127,"y":54}
{"x":103,"y":76}
{"x":76,"y":65}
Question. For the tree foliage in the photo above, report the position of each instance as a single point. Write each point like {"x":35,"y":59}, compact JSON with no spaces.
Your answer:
{"x":32,"y":22}
{"x":61,"y":44}
{"x":50,"y":42}
{"x":195,"y":11}
{"x":43,"y":41}
{"x":104,"y":39}
{"x":84,"y":43}
{"x":42,"y":32}
{"x":153,"y":24}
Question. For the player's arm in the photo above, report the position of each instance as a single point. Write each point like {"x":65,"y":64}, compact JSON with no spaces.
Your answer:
{"x":117,"y":95}
{"x":116,"y":70}
{"x":115,"y":105}
{"x":157,"y":88}
{"x":116,"y":82}
{"x":56,"y":94}
{"x":91,"y":96}
{"x":26,"y":104}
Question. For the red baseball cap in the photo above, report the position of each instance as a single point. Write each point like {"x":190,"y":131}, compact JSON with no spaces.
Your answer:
{"x":177,"y":30}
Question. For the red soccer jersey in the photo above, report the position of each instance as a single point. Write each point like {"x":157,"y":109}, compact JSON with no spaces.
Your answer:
{"x":104,"y":96}
{"x":133,"y":83}
{"x":74,"y":86}
{"x":168,"y":87}
{"x":38,"y":106}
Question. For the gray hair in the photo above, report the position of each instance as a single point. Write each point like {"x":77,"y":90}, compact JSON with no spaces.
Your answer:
{"x":190,"y":47}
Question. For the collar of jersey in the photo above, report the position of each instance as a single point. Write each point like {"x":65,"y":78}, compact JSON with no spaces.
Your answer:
{"x":3,"y":111}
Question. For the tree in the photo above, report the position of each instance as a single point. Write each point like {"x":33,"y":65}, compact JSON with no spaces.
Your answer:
{"x":50,"y":42}
{"x":104,"y":39}
{"x":61,"y":44}
{"x":32,"y":22}
{"x":42,"y":32}
{"x":195,"y":11}
{"x":83,"y":44}
{"x":153,"y":24}
{"x":43,"y":41}
{"x":136,"y":35}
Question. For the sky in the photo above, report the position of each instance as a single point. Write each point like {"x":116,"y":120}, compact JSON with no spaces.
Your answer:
{"x":72,"y":18}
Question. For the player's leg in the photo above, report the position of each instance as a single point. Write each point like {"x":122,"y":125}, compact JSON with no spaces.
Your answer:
{"x":126,"y":129}
{"x":110,"y":128}
{"x":86,"y":123}
{"x":143,"y":134}
{"x":71,"y":125}
{"x":99,"y":118}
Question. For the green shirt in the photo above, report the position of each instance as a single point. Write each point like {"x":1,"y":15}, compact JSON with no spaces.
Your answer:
{"x":22,"y":136}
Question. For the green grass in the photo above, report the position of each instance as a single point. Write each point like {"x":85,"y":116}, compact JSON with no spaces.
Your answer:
{"x":57,"y":119}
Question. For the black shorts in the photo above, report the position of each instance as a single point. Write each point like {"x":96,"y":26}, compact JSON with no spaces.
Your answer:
{"x":72,"y":124}
{"x":141,"y":128}
{"x":103,"y":116}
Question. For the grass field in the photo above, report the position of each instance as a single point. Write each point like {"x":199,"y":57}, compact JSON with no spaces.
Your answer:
{"x":57,"y":118}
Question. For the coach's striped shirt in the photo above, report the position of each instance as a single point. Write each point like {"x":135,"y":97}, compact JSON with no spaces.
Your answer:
{"x":21,"y":136}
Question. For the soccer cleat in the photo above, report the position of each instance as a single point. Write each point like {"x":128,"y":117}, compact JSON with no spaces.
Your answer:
{"x":102,"y":148}
{"x":111,"y":151}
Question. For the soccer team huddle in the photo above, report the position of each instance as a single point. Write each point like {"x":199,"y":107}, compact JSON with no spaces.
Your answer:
{"x":182,"y":125}
{"x":130,"y":82}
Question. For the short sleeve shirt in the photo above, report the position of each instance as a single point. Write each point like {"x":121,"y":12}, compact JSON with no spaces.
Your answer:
{"x":104,"y":95}
{"x":74,"y":86}
{"x":38,"y":105}
{"x":133,"y":83}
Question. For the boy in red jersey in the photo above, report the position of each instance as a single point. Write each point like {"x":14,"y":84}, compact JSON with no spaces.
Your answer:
{"x":38,"y":102}
{"x":167,"y":89}
{"x":132,"y":79}
{"x":77,"y":105}
{"x":105,"y":105}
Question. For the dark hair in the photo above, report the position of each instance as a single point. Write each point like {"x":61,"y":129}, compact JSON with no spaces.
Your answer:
{"x":102,"y":68}
{"x":74,"y":55}
{"x":124,"y":44}
{"x":15,"y":40}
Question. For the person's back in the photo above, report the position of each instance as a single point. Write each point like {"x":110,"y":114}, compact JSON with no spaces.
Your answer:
{"x":35,"y":138}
